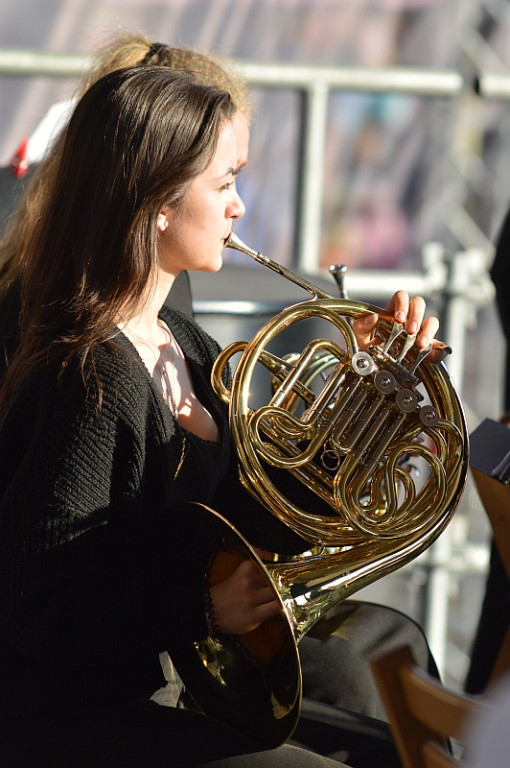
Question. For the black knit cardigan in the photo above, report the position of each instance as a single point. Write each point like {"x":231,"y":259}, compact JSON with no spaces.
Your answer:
{"x":94,"y":572}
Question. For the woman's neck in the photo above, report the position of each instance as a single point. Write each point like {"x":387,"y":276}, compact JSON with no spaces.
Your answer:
{"x":144,"y":324}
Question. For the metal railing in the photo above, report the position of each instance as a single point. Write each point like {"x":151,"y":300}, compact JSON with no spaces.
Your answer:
{"x":315,"y":85}
{"x":440,"y":275}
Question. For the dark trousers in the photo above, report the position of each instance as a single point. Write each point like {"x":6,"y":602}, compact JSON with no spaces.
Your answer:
{"x":342,"y":718}
{"x":141,"y":735}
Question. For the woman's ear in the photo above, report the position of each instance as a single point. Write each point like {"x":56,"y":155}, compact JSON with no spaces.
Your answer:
{"x":162,"y":222}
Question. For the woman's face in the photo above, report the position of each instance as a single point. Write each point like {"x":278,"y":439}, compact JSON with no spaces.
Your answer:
{"x":193,"y":234}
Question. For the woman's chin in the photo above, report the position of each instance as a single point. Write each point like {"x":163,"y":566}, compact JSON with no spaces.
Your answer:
{"x":213,"y":266}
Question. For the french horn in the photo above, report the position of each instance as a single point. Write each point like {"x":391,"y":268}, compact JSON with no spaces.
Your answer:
{"x":351,"y":426}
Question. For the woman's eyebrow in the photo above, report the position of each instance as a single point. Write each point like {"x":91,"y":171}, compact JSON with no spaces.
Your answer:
{"x":230,"y":172}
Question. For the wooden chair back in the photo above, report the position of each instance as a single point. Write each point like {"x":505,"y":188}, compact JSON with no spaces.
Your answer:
{"x":424,"y":716}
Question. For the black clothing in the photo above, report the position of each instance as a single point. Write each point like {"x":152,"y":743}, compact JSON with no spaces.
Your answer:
{"x":91,"y":580}
{"x":500,"y":274}
{"x":494,"y":616}
{"x":105,"y":556}
{"x":89,"y":593}
{"x":492,"y":625}
{"x":10,"y":309}
{"x":86,"y":596}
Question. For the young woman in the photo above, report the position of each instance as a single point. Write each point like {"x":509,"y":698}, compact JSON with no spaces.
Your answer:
{"x":347,"y":681}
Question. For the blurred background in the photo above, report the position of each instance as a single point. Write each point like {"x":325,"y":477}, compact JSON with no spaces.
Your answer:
{"x":409,"y":174}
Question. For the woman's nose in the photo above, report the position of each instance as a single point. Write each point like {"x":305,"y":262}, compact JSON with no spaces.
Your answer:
{"x":238,"y":210}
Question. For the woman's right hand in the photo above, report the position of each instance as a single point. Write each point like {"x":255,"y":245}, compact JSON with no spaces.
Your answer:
{"x":243,"y":600}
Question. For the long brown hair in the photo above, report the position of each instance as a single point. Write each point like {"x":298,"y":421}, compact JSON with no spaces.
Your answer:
{"x":135,"y":141}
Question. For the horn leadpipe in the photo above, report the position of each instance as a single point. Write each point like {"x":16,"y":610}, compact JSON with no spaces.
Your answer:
{"x":237,"y":244}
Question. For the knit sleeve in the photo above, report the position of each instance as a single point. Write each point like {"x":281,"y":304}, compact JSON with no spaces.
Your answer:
{"x":82,"y":572}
